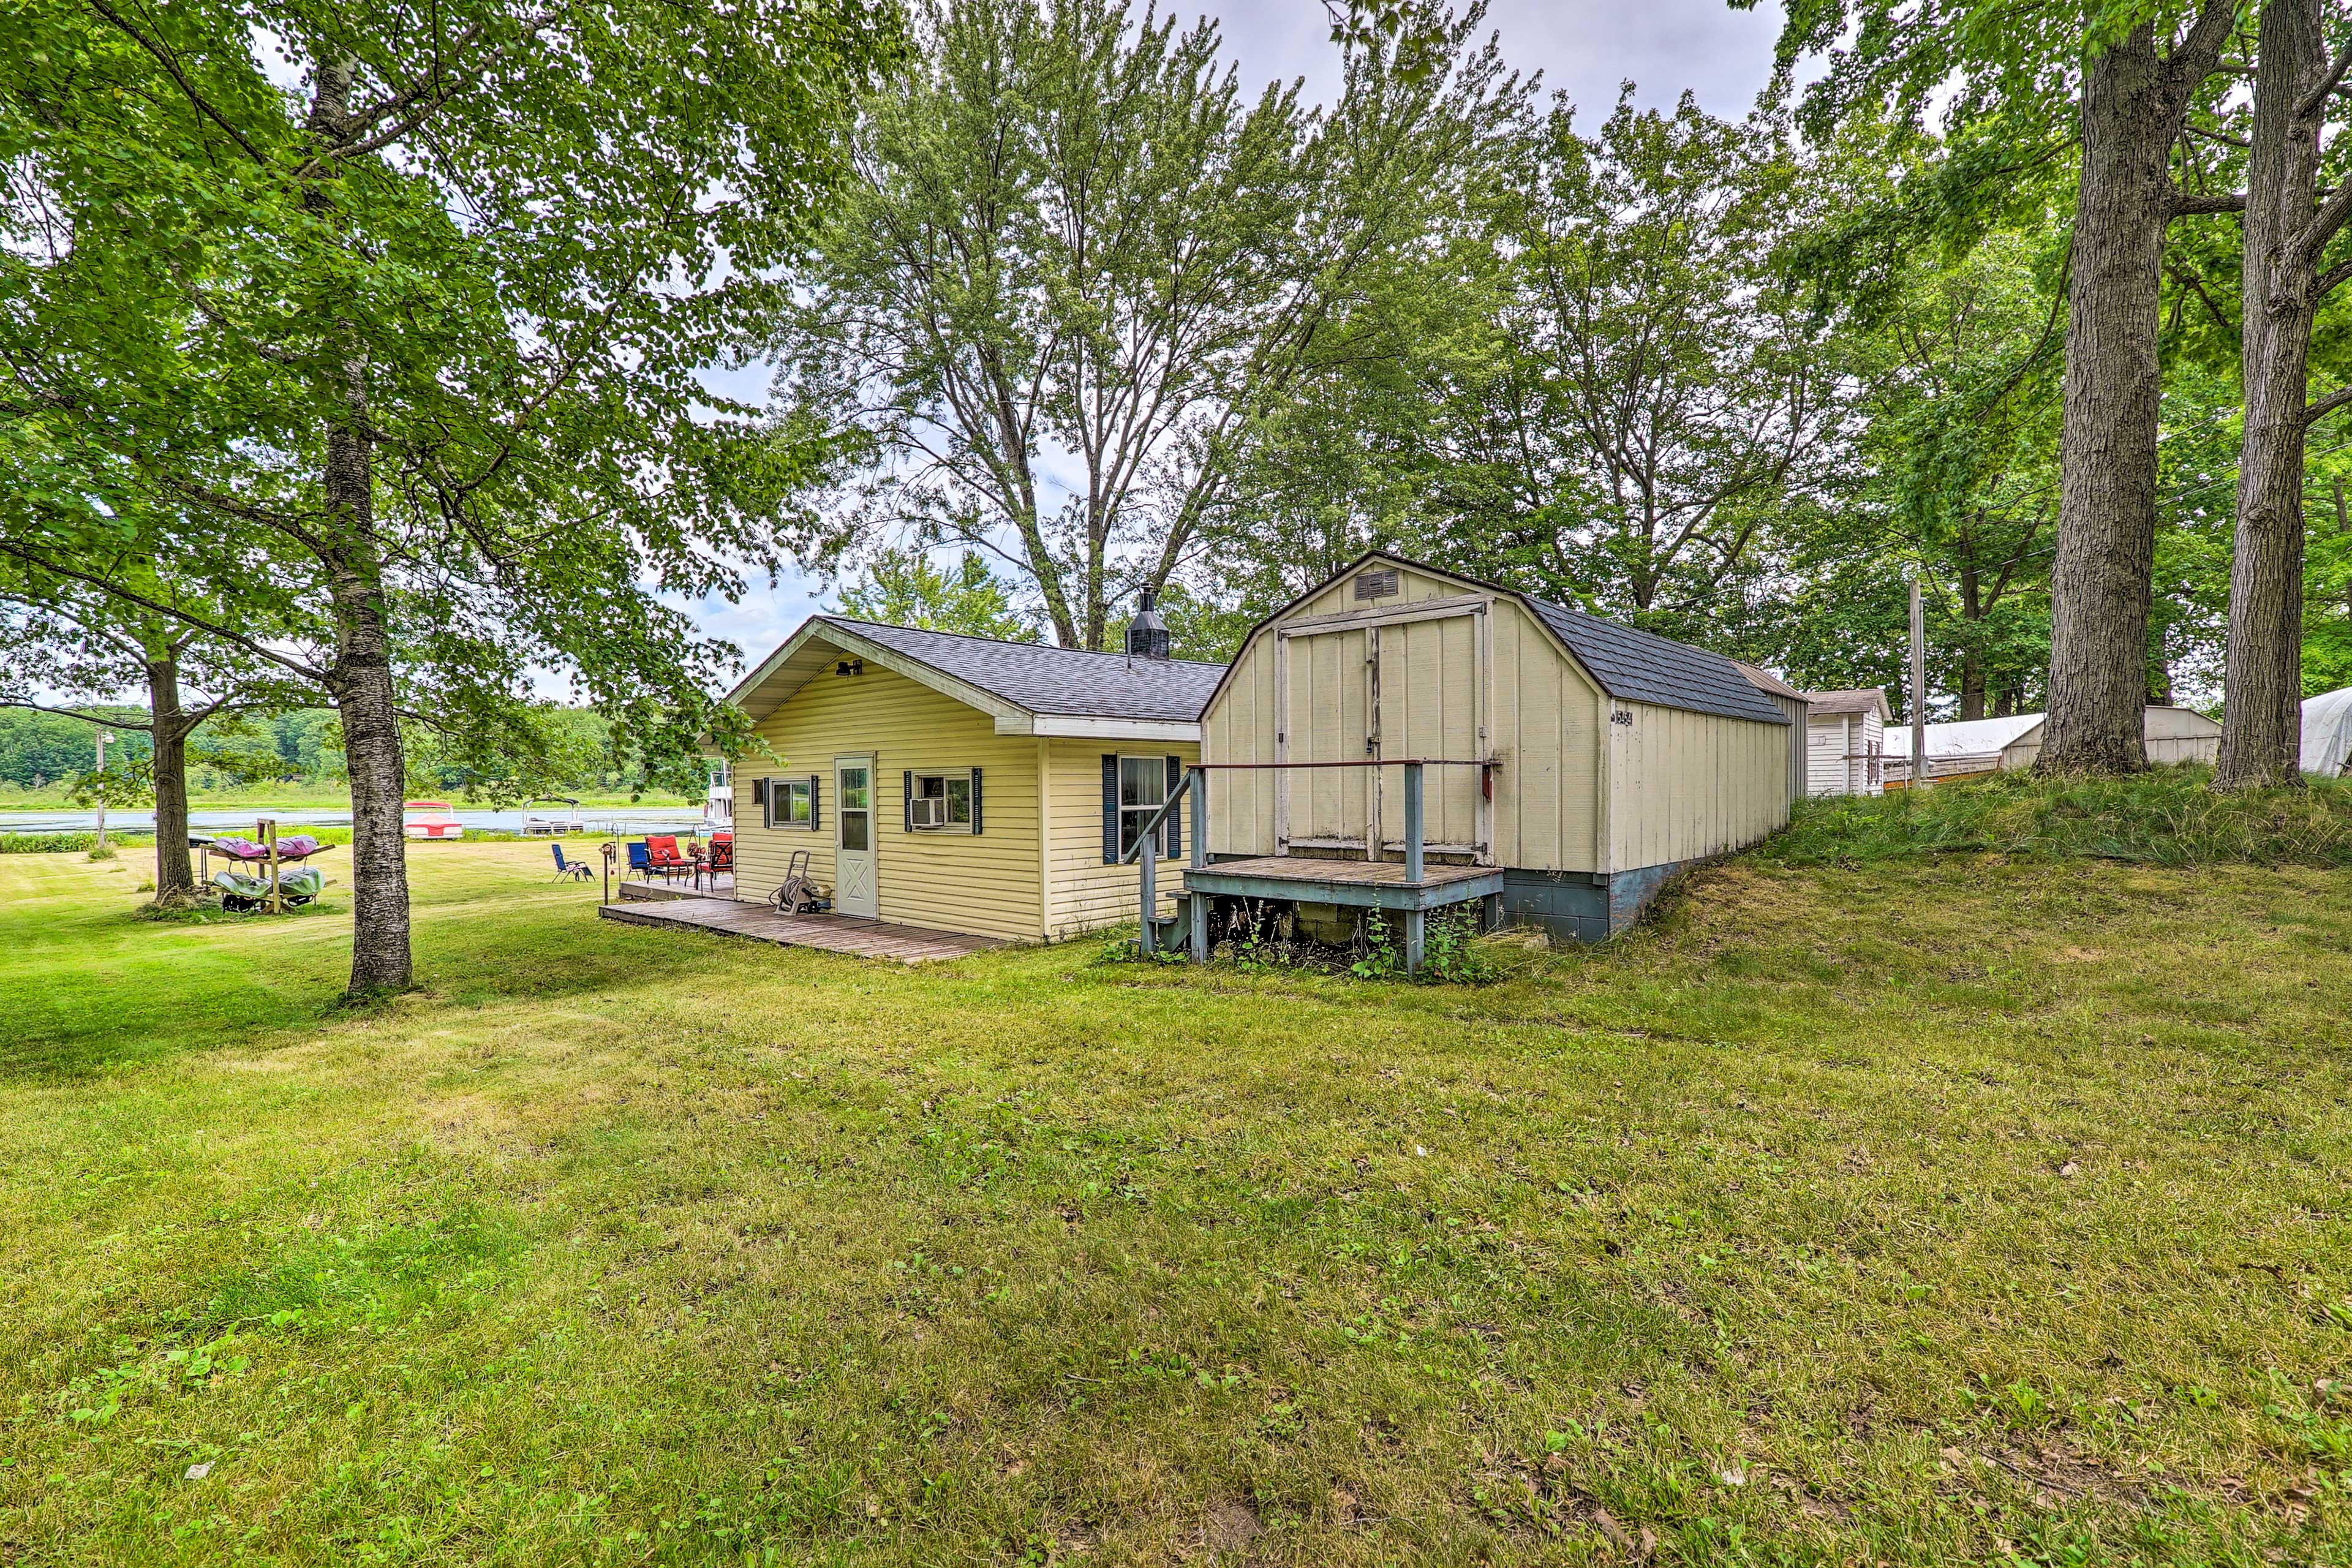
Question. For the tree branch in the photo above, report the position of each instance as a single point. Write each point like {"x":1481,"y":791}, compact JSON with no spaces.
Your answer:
{"x":2187,"y":203}
{"x":163,"y":57}
{"x":2309,"y":104}
{"x":2314,"y":413}
{"x":69,"y":713}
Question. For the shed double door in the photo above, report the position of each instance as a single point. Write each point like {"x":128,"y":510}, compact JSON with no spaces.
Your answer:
{"x":1401,"y":686}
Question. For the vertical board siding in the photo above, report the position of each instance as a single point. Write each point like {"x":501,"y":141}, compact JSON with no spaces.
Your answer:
{"x":1686,"y":785}
{"x":1546,"y":729}
{"x":1239,"y":727}
{"x":988,"y":884}
{"x":1082,"y":893}
{"x":1329,"y":713}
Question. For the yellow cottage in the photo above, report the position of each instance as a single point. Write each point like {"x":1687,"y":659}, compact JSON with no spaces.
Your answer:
{"x":963,"y":783}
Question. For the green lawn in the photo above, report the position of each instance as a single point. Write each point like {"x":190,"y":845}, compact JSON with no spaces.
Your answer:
{"x":1906,"y":1212}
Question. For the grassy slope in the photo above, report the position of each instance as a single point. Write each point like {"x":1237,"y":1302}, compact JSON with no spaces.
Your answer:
{"x":1918,"y":1212}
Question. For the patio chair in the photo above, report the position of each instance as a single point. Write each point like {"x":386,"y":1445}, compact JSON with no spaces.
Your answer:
{"x":661,"y":854}
{"x":722,"y":852}
{"x":640,"y":865}
{"x":576,"y":869}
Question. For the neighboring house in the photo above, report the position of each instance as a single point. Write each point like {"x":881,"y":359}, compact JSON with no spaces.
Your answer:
{"x":959,"y":783}
{"x":2328,"y":732}
{"x":1974,"y":746}
{"x":1790,"y":701}
{"x":1845,"y":740}
{"x":1568,"y":764}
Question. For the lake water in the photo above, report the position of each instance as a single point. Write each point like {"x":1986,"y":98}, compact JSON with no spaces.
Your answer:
{"x":618,"y":821}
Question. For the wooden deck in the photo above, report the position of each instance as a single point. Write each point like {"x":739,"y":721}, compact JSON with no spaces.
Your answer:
{"x":1380,"y":882}
{"x":653,"y":890}
{"x":833,"y":933}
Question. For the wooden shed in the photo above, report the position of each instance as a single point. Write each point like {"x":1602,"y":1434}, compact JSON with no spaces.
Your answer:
{"x":1845,"y":740}
{"x":1790,"y":701}
{"x":1408,"y":738}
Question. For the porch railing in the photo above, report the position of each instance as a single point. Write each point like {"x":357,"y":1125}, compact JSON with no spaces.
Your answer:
{"x":1194,"y":788}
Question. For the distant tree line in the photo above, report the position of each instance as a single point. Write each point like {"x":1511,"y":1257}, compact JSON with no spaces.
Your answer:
{"x":303,"y":747}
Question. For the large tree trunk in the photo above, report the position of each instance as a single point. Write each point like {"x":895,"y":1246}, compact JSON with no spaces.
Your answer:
{"x":361,"y":678}
{"x":175,"y":877}
{"x":2099,"y":587}
{"x":2262,"y":721}
{"x":2133,"y":100}
{"x":361,"y":682}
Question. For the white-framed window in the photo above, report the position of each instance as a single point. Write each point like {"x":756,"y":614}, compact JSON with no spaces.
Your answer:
{"x":939,"y":802}
{"x":1142,"y":790}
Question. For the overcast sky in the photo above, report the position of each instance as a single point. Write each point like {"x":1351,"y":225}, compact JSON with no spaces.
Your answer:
{"x":1585,"y":47}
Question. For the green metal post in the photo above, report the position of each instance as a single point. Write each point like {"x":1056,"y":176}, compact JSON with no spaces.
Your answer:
{"x":1150,"y":894}
{"x":1412,"y":835}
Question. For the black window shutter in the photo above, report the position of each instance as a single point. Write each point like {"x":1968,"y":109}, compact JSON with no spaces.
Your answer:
{"x":761,"y":798}
{"x":1175,"y":818}
{"x":1110,"y":808}
{"x":812,"y":780}
{"x":907,"y":801}
{"x":975,"y":802}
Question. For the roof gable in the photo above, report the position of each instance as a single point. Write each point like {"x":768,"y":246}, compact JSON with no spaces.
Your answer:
{"x":1025,"y":687}
{"x":1856,"y":699}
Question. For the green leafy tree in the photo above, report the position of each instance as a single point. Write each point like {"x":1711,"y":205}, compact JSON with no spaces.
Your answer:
{"x":65,"y":645}
{"x":905,"y":588}
{"x":1655,"y":400}
{"x":1075,"y":267}
{"x":2109,"y":95}
{"x":399,"y":365}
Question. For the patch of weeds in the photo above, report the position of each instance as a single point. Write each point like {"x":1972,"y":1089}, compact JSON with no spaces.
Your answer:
{"x":1451,"y":954}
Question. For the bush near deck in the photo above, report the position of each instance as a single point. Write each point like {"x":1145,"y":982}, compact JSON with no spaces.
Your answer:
{"x":1915,"y":1211}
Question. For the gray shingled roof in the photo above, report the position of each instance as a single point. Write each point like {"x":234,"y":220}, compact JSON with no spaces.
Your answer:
{"x":1860,"y":700}
{"x":1642,"y":667}
{"x":1056,"y":680}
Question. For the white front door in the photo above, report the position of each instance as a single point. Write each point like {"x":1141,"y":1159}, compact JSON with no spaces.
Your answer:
{"x":853,"y":842}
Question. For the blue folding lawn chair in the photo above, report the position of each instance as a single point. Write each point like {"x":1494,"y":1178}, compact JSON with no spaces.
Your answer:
{"x":578,"y":871}
{"x":640,"y":861}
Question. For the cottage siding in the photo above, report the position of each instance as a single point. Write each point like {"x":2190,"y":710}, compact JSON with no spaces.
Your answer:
{"x":1686,"y":785}
{"x":989,"y":884}
{"x":1082,"y":893}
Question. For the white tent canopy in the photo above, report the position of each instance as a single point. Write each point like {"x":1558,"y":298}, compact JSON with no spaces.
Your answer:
{"x":2326,"y":732}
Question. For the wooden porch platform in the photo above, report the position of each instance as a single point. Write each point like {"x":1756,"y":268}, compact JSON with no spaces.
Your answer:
{"x":833,"y":933}
{"x":1380,"y":882}
{"x":649,"y":889}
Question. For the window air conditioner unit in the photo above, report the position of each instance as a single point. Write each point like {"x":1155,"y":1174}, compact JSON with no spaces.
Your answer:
{"x":930,"y":813}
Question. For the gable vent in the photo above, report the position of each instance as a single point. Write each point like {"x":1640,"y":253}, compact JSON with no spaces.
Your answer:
{"x":1380,"y":583}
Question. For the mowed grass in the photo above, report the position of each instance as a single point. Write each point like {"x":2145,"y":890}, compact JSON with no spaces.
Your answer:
{"x":1914,"y":1212}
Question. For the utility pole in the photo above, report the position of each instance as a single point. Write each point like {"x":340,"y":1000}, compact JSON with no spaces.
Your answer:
{"x":1918,"y":688}
{"x":100,"y":851}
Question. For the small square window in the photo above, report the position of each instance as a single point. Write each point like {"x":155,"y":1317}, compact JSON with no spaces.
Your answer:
{"x":940,"y":803}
